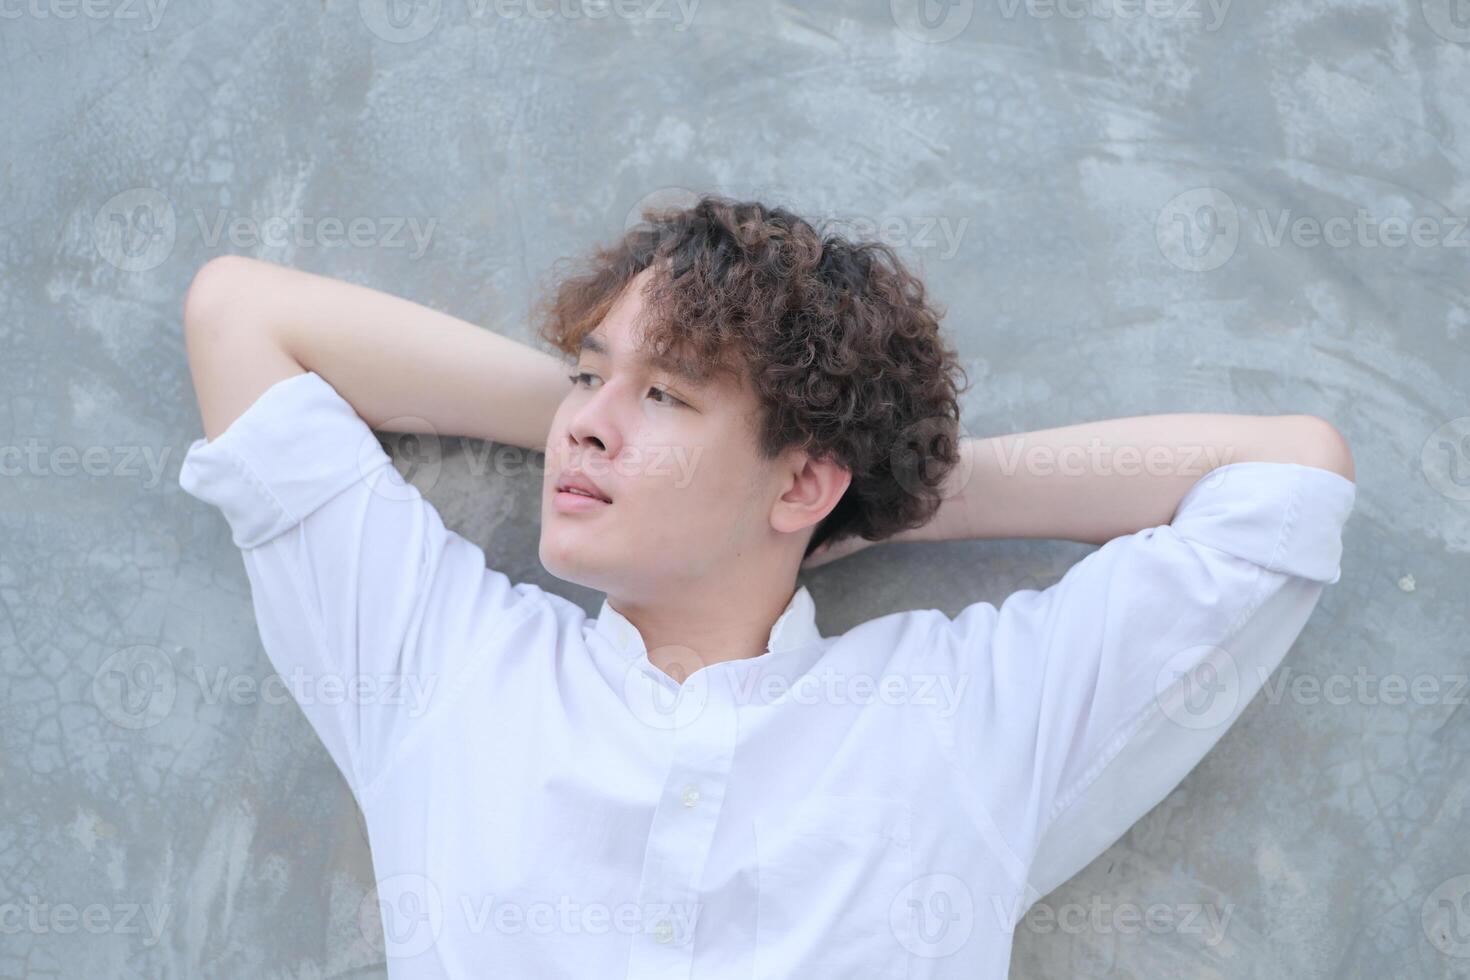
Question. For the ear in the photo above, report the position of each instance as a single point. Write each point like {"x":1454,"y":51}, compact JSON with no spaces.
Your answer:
{"x":814,"y":488}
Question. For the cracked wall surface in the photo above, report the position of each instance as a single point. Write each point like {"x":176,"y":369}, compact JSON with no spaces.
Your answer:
{"x":1182,"y":206}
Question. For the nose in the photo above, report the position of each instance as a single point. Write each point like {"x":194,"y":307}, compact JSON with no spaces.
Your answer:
{"x":593,"y":426}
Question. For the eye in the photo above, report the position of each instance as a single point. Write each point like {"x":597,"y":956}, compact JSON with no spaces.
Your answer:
{"x":665,"y":398}
{"x":671,"y":399}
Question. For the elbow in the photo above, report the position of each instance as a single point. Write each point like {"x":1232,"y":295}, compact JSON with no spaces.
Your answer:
{"x":1324,"y":446}
{"x":216,"y":295}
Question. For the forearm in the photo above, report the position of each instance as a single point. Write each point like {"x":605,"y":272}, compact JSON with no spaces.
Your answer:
{"x":401,"y":365}
{"x":1095,"y":481}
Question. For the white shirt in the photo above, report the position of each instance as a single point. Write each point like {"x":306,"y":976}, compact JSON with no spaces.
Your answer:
{"x":543,"y":802}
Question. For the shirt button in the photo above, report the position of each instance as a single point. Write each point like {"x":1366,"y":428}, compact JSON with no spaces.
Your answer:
{"x":691,"y":796}
{"x":663,"y":932}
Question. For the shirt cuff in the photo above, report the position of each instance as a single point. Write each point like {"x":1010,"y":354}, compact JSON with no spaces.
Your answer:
{"x":298,"y":445}
{"x":1285,"y":517}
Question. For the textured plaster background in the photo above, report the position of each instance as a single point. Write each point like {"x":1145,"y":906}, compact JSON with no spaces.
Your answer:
{"x":1114,"y":201}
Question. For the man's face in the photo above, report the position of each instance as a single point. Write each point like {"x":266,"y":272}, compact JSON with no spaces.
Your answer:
{"x":677,"y":459}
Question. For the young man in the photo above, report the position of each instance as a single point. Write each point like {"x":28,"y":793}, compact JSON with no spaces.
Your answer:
{"x":697,"y":783}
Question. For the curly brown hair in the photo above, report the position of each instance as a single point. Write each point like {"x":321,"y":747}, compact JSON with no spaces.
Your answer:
{"x":837,"y":338}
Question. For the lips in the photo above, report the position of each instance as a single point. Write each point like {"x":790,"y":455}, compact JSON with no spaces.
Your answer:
{"x":571,"y":482}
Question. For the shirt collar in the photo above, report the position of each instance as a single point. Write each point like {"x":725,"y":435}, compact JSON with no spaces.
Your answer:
{"x":795,"y":627}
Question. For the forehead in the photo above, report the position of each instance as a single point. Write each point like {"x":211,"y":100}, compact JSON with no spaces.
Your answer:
{"x":620,"y":337}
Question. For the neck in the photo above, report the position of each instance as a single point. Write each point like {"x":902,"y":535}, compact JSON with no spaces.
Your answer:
{"x":696,"y":626}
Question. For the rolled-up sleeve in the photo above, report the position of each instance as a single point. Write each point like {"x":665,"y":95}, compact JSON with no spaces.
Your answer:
{"x":1090,"y":700}
{"x":367,"y":606}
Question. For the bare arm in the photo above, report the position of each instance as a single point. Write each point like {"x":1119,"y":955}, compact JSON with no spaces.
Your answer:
{"x":1095,"y":481}
{"x":250,"y":323}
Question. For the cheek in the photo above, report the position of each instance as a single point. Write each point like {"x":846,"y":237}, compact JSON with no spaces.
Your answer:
{"x":712,"y":491}
{"x":676,"y":487}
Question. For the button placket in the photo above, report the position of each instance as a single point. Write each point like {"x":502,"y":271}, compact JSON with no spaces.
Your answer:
{"x":680,"y":839}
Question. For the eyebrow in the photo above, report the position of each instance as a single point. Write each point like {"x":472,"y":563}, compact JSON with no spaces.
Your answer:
{"x":591,"y":343}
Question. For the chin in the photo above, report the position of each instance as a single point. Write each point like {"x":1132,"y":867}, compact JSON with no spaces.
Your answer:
{"x":565,"y":564}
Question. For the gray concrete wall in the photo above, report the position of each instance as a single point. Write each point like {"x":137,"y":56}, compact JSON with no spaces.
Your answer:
{"x":1117,"y":205}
